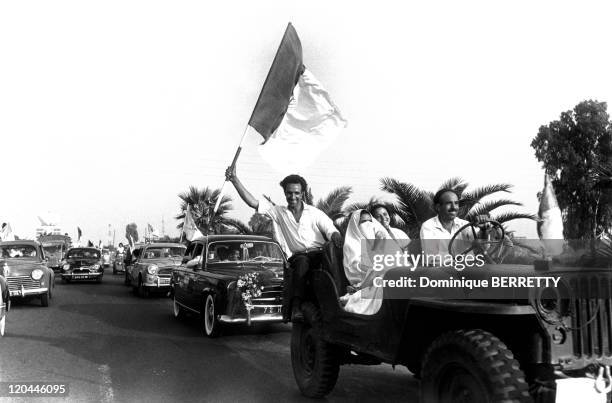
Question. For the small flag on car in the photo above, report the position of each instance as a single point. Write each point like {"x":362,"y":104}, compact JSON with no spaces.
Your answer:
{"x":189,"y":226}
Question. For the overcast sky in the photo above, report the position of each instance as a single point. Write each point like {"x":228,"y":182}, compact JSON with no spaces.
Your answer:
{"x":109,"y":109}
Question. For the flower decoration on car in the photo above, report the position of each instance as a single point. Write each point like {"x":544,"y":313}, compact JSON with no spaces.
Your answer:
{"x":249,"y":287}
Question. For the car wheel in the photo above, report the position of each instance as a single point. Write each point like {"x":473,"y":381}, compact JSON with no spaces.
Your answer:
{"x":210,"y":323}
{"x":471,"y":366}
{"x":177,"y":310}
{"x":315,"y":362}
{"x":44,"y":298}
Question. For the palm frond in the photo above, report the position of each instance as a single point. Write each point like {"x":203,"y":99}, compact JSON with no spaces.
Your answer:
{"x":332,"y":204}
{"x":414,"y":206}
{"x":456,"y":183}
{"x":505,"y":217}
{"x":487,"y":207}
{"x":349,"y":208}
{"x":483,"y":191}
{"x":236,"y":224}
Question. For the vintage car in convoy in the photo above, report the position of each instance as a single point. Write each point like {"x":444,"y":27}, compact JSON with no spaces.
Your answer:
{"x":226,"y":279}
{"x":521,"y":348}
{"x":55,"y":247}
{"x":106,"y":257}
{"x":83,"y":263}
{"x":24,"y":266}
{"x":151,"y":267}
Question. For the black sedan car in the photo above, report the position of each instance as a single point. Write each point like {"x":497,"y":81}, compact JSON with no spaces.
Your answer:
{"x":229,"y":279}
{"x":83,"y":264}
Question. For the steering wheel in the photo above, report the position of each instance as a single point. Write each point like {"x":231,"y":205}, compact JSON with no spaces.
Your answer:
{"x":491,"y":249}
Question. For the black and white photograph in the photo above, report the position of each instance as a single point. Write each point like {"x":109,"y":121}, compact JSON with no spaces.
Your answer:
{"x":290,"y":201}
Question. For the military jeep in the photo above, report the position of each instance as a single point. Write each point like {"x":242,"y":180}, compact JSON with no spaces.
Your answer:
{"x":467,"y":350}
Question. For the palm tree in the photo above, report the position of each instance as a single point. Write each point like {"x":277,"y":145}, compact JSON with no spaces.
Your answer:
{"x":333,"y":205}
{"x":202,"y":203}
{"x":414,"y":206}
{"x":261,"y":224}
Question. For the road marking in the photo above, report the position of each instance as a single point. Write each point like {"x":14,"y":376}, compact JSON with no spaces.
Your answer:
{"x":106,"y":389}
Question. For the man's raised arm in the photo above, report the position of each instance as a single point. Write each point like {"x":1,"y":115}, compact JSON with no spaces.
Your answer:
{"x":230,"y":175}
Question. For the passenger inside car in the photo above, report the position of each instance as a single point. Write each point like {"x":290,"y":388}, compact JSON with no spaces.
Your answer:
{"x":234,"y":255}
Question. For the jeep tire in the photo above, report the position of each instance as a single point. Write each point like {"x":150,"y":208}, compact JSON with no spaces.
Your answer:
{"x":471,"y":366}
{"x":315,"y":362}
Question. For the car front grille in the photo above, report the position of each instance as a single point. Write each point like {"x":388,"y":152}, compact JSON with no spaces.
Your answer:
{"x":27,"y":282}
{"x":592,"y":317}
{"x":165,"y":272}
{"x":271,"y":295}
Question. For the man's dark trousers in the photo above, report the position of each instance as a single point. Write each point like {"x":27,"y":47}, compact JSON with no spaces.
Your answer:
{"x":295,"y":277}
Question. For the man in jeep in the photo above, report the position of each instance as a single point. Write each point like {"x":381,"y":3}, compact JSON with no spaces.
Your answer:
{"x":299,"y":228}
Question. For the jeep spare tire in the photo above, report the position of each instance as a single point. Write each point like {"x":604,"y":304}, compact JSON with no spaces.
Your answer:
{"x":314,"y":361}
{"x":471,"y":366}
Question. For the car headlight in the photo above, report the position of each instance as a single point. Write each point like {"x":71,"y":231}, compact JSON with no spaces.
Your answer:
{"x":152,"y":269}
{"x":95,"y":267}
{"x":552,"y":304}
{"x":66,"y":267}
{"x":37,"y":274}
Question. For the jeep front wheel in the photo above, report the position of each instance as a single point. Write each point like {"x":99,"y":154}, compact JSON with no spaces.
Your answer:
{"x":471,"y":366}
{"x":314,"y":361}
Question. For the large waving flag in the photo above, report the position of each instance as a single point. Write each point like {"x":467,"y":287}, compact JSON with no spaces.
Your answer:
{"x":294,"y":113}
{"x":189,"y":226}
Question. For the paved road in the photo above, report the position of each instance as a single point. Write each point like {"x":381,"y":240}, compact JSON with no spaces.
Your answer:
{"x":111,"y":346}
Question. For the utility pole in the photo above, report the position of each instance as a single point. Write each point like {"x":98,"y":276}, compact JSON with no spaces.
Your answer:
{"x":163,"y":228}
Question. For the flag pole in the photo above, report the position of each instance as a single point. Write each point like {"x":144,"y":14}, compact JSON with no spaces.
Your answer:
{"x":220,"y":196}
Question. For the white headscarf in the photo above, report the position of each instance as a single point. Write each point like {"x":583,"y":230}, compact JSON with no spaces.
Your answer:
{"x":356,"y":263}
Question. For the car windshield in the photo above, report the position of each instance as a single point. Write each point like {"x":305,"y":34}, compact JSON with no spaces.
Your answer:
{"x":84,"y":254}
{"x":241,"y":251}
{"x":52,"y":249}
{"x":18,"y":251}
{"x":164,"y":252}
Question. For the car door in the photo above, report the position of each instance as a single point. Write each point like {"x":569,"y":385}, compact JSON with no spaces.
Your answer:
{"x":179,"y":276}
{"x":192,"y":274}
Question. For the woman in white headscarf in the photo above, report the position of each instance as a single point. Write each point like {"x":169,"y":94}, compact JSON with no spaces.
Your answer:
{"x":358,"y":265}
